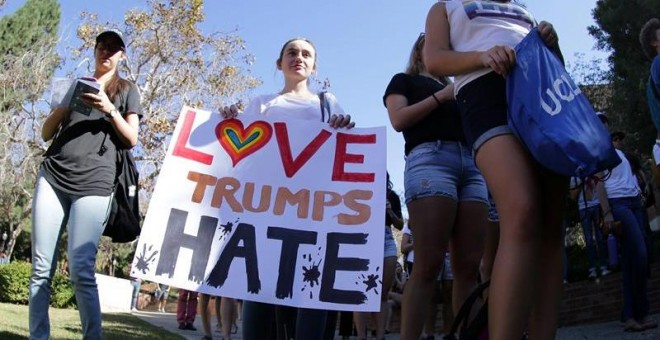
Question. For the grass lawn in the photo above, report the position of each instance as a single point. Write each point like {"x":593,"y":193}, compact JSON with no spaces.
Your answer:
{"x":65,"y":324}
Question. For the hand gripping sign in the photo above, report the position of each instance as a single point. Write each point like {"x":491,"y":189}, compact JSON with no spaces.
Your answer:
{"x":284,"y":212}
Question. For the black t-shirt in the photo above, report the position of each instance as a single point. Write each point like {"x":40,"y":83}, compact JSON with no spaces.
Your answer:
{"x":395,"y":203}
{"x":82,"y":158}
{"x":444,"y":123}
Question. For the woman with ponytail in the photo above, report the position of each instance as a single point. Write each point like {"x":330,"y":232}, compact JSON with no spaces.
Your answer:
{"x":75,"y":184}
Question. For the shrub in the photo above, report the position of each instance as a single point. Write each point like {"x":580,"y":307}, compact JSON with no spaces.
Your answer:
{"x":62,"y":293}
{"x":15,"y":282}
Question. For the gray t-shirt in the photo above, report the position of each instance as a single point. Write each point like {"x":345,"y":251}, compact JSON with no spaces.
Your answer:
{"x":82,"y":158}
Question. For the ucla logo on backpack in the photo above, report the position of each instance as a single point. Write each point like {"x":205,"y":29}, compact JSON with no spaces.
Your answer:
{"x":558,"y":93}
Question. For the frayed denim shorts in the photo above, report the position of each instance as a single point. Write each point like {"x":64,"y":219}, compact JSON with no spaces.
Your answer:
{"x":493,"y":215}
{"x":443,"y":168}
{"x":483,"y":106}
{"x":390,"y":244}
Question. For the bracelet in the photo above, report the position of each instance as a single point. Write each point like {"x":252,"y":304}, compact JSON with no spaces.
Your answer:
{"x":436,"y":99}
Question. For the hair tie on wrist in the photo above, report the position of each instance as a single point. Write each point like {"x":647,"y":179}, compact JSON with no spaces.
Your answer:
{"x":436,"y":99}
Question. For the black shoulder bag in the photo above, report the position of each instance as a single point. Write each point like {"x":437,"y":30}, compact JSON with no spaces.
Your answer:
{"x":124,"y":219}
{"x":123,"y":224}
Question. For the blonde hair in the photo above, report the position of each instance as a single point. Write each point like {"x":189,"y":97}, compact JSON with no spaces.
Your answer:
{"x":416,"y":61}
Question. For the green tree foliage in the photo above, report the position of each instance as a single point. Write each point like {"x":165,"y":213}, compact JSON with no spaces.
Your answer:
{"x":616,"y":31}
{"x":171,"y":60}
{"x":28,"y":59}
{"x":34,"y":24}
{"x":29,"y":24}
{"x":174,"y":63}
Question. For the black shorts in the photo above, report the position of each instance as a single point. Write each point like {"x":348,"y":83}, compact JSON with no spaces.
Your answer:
{"x":483,"y":107}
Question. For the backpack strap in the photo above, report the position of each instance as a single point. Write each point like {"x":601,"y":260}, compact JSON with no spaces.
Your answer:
{"x":463,"y":313}
{"x":325,"y":106}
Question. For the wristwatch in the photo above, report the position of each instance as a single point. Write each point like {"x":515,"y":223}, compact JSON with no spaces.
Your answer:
{"x":112,"y":114}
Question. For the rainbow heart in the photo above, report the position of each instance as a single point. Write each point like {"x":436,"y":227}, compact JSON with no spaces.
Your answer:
{"x":241,"y":142}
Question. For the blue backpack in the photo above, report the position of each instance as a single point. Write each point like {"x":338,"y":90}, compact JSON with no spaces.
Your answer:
{"x":552,"y":117}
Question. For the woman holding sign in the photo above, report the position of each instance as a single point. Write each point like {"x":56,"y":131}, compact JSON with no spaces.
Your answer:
{"x":445,"y":193}
{"x":75,"y":184}
{"x":297,"y":61}
{"x":474,"y":41}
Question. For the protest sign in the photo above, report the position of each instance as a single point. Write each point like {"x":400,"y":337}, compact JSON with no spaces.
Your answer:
{"x":290,"y":212}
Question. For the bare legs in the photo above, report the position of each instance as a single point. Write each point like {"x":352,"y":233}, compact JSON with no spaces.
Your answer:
{"x":227,"y":312}
{"x":224,"y":311}
{"x":467,"y":246}
{"x":204,"y":311}
{"x":431,"y":221}
{"x":389,"y":264}
{"x":361,"y":319}
{"x":490,"y":249}
{"x":529,"y":251}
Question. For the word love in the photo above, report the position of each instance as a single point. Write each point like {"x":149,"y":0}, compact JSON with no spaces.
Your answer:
{"x":240,"y":142}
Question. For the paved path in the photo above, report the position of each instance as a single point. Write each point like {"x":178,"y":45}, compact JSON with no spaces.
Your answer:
{"x":608,"y":330}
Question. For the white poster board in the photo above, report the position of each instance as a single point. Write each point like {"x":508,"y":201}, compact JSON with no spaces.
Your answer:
{"x":284,"y":212}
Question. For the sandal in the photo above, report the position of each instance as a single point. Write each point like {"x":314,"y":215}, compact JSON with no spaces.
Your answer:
{"x":632,"y":326}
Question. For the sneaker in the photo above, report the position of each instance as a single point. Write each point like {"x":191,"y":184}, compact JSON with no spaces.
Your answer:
{"x":604,"y":271}
{"x":190,"y":327}
{"x":134,"y":310}
{"x":182,"y":325}
{"x":592,"y":273}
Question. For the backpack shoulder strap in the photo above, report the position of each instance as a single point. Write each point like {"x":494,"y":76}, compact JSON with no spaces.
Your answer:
{"x":464,"y":312}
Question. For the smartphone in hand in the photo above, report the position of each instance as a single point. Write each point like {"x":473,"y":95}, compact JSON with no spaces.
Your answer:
{"x":83,"y":85}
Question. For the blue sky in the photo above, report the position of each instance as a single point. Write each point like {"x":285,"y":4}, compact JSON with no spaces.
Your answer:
{"x":361,"y":44}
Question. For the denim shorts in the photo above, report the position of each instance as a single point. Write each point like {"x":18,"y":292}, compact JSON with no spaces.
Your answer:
{"x":483,"y":106}
{"x":446,"y":273}
{"x":443,"y":168}
{"x":390,"y":244}
{"x":493,"y":215}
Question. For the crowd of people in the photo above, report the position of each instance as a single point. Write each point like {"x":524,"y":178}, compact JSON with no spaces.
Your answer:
{"x":480,"y":207}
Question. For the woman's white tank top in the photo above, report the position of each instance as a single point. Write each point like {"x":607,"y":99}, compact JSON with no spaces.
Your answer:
{"x":480,"y":25}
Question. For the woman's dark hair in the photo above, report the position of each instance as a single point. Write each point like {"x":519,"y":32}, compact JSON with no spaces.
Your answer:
{"x":116,"y":85}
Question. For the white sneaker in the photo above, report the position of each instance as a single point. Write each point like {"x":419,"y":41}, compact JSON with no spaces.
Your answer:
{"x":134,"y":310}
{"x":592,"y":273}
{"x":604,"y":271}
